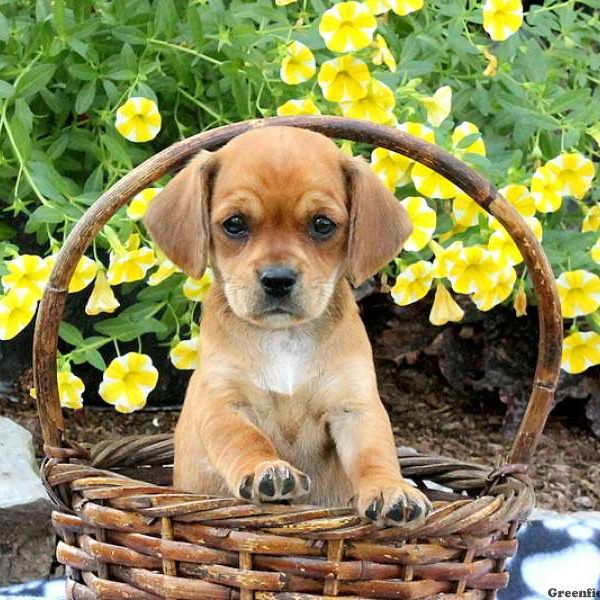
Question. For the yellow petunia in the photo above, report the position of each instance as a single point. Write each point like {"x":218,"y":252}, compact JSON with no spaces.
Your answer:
{"x":375,"y":106}
{"x":139,"y":204}
{"x":404,"y":7}
{"x":465,"y":210}
{"x":579,"y":293}
{"x":492,"y":62}
{"x":392,"y":168}
{"x":70,"y":390}
{"x":284,"y":2}
{"x":423,"y":219}
{"x":184,"y":355}
{"x":413,"y":283}
{"x":127,"y":382}
{"x":130,"y":265}
{"x":17,"y":308}
{"x":500,"y":291}
{"x":445,"y":257}
{"x":466,"y":129}
{"x":574,"y":172}
{"x":476,"y":270}
{"x":520,"y":198}
{"x":298,"y":64}
{"x":502,"y":18}
{"x":165,"y":269}
{"x":344,"y":79}
{"x":591,"y":221}
{"x":438,"y":106}
{"x":520,"y":301}
{"x":304,"y":106}
{"x":581,"y":350}
{"x":347,"y":26}
{"x":382,"y":54}
{"x":138,"y":120}
{"x":102,"y":299}
{"x":503,"y":244}
{"x":546,"y":190}
{"x":84,"y":274}
{"x":595,"y":251}
{"x":444,"y":308}
{"x":27,"y":272}
{"x":197,"y":289}
{"x":431,"y":184}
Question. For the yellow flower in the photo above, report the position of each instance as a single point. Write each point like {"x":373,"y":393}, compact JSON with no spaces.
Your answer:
{"x":462,"y":131}
{"x":139,"y":204}
{"x":487,"y":299}
{"x":347,"y":26}
{"x":84,"y":274}
{"x":579,"y":293}
{"x":17,"y":308}
{"x":392,"y":168}
{"x":575,"y":173}
{"x":184,"y":354}
{"x":444,"y":308}
{"x":595,"y":251}
{"x":304,"y":106}
{"x":591,"y":221}
{"x":27,"y":272}
{"x":445,"y":257}
{"x":545,"y":190}
{"x":102,"y":299}
{"x":465,"y":210}
{"x":298,"y":65}
{"x":404,"y":7}
{"x":492,"y":62}
{"x":438,"y":106}
{"x":197,"y":289}
{"x":431,"y":184}
{"x":520,"y":198}
{"x":376,"y":106}
{"x":520,"y":301}
{"x":423,"y":219}
{"x":581,"y":350}
{"x":165,"y":269}
{"x":344,"y":79}
{"x":131,"y":265}
{"x":284,"y":2}
{"x":502,"y":18}
{"x":70,"y":390}
{"x":413,"y":283}
{"x":501,"y":242}
{"x":127,"y":382}
{"x":475,"y":270}
{"x":138,"y":120}
{"x":377,"y":7}
{"x":382,"y":54}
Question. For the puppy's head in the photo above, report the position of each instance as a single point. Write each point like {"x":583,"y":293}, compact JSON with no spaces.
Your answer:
{"x":283,"y":215}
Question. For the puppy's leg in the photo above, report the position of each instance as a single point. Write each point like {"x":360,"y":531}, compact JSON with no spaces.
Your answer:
{"x":365,"y":444}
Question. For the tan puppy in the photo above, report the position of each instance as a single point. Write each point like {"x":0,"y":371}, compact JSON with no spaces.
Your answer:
{"x":284,"y":404}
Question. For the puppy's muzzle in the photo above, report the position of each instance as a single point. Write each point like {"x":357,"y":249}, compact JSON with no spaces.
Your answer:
{"x":278,"y":282}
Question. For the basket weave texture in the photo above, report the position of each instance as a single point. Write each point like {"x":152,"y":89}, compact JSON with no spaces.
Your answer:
{"x":126,"y":533}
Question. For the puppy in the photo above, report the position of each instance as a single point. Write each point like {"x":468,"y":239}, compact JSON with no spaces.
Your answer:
{"x":284,"y":405}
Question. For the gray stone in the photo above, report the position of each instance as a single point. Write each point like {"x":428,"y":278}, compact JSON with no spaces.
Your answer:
{"x":26,"y":534}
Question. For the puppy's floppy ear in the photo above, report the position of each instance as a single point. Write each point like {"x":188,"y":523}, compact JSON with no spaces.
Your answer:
{"x":379,"y":224}
{"x":177,"y":218}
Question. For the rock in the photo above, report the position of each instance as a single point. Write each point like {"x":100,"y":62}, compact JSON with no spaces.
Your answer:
{"x":583,"y":502}
{"x":27,"y":541}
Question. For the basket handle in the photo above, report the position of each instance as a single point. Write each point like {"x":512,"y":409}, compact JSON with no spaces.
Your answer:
{"x":53,"y":302}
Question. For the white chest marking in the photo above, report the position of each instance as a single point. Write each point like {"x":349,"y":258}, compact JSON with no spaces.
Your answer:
{"x":284,"y":364}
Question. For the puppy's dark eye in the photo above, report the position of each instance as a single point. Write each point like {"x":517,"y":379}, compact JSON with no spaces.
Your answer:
{"x":322,"y":227}
{"x":235,"y":226}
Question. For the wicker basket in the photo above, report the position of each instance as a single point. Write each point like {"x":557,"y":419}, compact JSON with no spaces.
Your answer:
{"x":125,"y":533}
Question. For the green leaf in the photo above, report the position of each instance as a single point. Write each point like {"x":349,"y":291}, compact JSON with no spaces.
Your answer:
{"x":95,"y":359}
{"x":85,"y":97}
{"x":6,"y":89}
{"x":125,"y":328}
{"x":70,"y":334}
{"x":116,"y":149}
{"x":35,"y":79}
{"x":43,"y":215}
{"x":4,"y":29}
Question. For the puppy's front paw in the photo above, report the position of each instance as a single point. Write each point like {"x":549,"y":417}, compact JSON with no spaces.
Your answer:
{"x":392,"y":504}
{"x":274,"y":482}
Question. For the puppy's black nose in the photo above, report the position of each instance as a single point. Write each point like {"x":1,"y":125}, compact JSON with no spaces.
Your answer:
{"x":278,"y":281}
